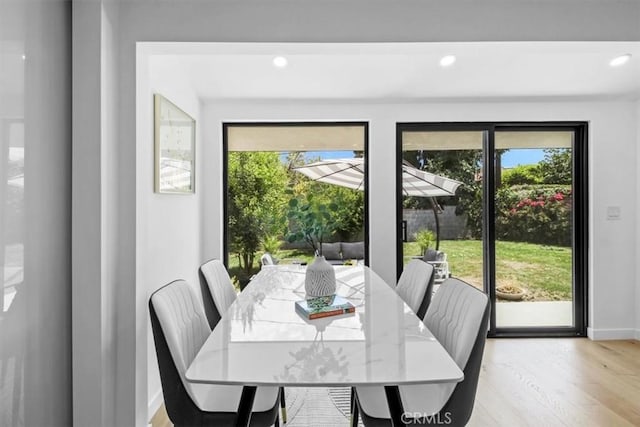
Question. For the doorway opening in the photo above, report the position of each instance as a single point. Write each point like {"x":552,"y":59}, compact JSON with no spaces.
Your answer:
{"x":515,"y":226}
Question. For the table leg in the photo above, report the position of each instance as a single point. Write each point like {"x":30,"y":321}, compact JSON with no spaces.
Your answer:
{"x":246,"y":406}
{"x":283,"y":406}
{"x":395,"y":404}
{"x":354,"y":409}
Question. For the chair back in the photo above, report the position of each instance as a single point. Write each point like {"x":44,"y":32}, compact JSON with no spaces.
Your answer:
{"x":458,"y":316}
{"x":179,"y":330}
{"x":267,"y":259}
{"x":432,"y":255}
{"x":415,"y":286}
{"x":218,"y":292}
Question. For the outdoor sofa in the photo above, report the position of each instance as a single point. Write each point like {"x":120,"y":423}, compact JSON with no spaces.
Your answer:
{"x":338,"y":253}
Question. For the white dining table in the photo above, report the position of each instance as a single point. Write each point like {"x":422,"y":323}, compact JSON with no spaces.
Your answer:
{"x":262,"y":340}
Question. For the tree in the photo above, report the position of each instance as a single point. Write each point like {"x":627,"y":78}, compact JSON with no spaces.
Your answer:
{"x":462,"y":165}
{"x":310,"y":220}
{"x":556,"y":166}
{"x":348,"y":214}
{"x":256,"y":201}
{"x":522,"y":175}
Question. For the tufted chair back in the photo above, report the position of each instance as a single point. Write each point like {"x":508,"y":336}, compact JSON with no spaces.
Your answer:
{"x":183,"y":323}
{"x":218,"y":292}
{"x":458,"y":317}
{"x":416,"y":285}
{"x":453,"y":317}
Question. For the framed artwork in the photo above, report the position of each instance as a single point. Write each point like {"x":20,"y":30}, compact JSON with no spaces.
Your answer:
{"x":175,"y":139}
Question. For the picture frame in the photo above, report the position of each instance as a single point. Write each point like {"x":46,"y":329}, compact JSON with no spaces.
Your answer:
{"x":174,"y":140}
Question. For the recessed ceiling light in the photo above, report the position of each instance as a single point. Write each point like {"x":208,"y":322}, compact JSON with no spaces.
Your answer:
{"x":24,"y":57}
{"x":448,"y":60}
{"x":620,"y":60}
{"x":280,"y":61}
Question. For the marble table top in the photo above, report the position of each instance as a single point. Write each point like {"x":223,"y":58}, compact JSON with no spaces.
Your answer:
{"x":262,"y":340}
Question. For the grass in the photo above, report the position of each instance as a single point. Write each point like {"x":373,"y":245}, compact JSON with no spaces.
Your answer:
{"x":543,"y":271}
{"x":286,"y":256}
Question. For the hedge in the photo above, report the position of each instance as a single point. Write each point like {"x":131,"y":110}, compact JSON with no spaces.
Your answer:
{"x":535,"y":214}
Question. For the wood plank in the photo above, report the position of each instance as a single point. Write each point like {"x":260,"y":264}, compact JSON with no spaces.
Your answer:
{"x":554,"y":381}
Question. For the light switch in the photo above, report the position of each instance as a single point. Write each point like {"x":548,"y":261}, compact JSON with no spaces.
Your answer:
{"x":613,"y":213}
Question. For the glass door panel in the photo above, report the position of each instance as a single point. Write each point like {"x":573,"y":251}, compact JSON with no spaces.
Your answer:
{"x":278,"y":171}
{"x":443,"y":222}
{"x":534,"y":228}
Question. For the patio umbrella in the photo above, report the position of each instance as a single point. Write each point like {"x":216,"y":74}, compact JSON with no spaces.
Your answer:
{"x":350,"y":173}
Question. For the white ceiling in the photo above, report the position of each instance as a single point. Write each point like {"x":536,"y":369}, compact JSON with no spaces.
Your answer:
{"x":402,"y":71}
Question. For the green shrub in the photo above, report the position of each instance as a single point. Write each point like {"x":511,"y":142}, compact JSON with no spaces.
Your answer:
{"x":424,"y":238}
{"x":535,"y":214}
{"x":236,"y":283}
{"x":271,"y":243}
{"x":521,"y":174}
{"x":310,"y":221}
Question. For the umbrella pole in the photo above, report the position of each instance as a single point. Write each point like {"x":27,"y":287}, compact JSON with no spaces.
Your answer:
{"x":434,"y":205}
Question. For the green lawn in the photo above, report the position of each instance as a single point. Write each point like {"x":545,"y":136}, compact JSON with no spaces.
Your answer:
{"x":286,"y":256}
{"x":543,"y":271}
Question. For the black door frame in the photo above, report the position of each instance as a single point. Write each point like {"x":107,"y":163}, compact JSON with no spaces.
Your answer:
{"x":579,"y":214}
{"x":225,"y":170}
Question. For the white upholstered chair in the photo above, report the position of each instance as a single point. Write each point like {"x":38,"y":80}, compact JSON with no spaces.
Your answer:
{"x":415,"y":286}
{"x":267,"y":259}
{"x":218,"y":292}
{"x":439,"y":261}
{"x":179,"y":331}
{"x":458,"y":317}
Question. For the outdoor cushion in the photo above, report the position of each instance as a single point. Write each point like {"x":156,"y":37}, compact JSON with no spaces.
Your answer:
{"x":331,"y":251}
{"x":354,"y":250}
{"x":431,"y":255}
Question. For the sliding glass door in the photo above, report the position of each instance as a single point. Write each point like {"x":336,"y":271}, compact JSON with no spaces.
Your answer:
{"x":516,"y":224}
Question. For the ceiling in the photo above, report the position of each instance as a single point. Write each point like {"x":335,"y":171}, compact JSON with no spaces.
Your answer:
{"x":402,"y":71}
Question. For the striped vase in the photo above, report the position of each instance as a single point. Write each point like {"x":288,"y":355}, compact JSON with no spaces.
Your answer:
{"x":320,"y":278}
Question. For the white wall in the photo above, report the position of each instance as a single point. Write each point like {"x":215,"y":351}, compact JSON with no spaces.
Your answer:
{"x":309,"y":21}
{"x":94,"y":266}
{"x":610,"y":153}
{"x":169,"y":226}
{"x":612,"y":138}
{"x":638,"y":231}
{"x":35,"y":226}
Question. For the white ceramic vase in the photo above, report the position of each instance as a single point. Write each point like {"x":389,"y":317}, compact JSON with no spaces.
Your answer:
{"x":320,"y":278}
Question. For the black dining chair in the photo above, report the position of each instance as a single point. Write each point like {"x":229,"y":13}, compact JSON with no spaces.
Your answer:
{"x":179,"y":330}
{"x":218,"y":294}
{"x":458,"y":317}
{"x":415,"y":286}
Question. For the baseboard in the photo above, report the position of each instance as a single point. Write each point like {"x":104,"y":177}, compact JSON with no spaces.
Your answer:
{"x":637,"y":334}
{"x":154,"y":404}
{"x":613,"y":334}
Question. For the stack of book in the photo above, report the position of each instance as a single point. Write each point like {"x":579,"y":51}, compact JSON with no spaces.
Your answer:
{"x":318,"y":307}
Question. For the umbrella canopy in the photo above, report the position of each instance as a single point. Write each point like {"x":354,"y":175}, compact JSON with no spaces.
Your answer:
{"x":350,"y":173}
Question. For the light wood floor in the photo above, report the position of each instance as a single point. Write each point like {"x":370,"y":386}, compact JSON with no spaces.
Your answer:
{"x":551,"y":382}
